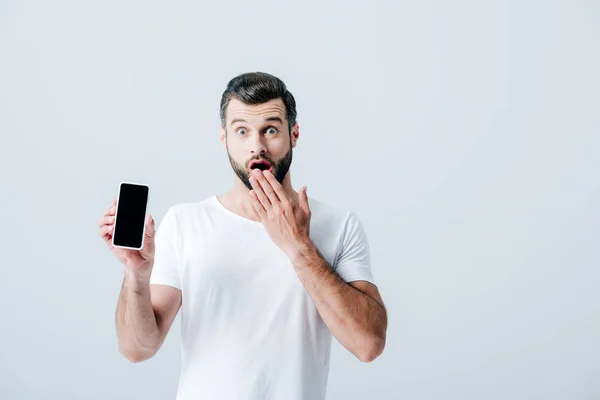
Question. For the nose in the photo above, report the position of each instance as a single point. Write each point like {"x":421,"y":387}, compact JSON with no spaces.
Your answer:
{"x":258,"y":146}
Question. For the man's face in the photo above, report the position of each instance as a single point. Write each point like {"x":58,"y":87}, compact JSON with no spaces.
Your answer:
{"x":257,"y":136}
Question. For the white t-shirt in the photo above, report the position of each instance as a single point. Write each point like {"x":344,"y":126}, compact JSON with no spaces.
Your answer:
{"x":250,"y":330}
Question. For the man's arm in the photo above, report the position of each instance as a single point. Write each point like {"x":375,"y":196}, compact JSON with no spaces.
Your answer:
{"x":144,"y":316}
{"x":353,"y":312}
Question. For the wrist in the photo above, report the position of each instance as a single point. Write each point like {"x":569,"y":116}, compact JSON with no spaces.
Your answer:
{"x":302,"y":250}
{"x":137,"y":280}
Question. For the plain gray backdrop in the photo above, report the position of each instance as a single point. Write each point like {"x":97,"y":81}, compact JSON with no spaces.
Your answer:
{"x":464,"y":134}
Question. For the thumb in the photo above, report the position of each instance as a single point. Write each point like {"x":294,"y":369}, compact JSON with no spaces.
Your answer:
{"x":303,"y":200}
{"x":149,"y":228}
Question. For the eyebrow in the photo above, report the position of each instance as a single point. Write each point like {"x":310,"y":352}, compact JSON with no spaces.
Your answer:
{"x":236,"y":120}
{"x":276,"y":119}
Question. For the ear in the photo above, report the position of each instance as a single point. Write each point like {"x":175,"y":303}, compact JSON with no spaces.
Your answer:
{"x":295,"y":133}
{"x":222,"y":137}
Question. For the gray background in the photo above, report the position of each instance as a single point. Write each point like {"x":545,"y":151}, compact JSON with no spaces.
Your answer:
{"x":463,"y":134}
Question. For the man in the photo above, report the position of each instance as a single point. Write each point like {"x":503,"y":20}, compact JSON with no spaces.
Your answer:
{"x":263,"y":275}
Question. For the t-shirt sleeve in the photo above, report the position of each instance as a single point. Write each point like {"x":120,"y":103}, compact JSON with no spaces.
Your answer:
{"x":353,"y":259}
{"x":166,"y":260}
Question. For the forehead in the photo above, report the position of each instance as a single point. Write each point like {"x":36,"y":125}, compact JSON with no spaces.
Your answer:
{"x":255,"y":112}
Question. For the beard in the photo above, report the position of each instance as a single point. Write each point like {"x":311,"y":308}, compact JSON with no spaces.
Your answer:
{"x":280,"y":168}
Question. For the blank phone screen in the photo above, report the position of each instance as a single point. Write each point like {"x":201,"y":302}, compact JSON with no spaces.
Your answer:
{"x":131,"y":215}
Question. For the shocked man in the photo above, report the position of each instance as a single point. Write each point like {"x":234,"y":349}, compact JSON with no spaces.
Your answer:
{"x":264,"y":275}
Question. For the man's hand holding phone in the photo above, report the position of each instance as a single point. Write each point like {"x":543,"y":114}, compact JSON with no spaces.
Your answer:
{"x":137,"y":262}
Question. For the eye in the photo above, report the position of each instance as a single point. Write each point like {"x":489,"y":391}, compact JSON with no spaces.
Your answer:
{"x":271,"y":130}
{"x":241,"y":131}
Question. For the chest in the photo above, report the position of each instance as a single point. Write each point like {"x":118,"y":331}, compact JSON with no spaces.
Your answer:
{"x":237,"y":264}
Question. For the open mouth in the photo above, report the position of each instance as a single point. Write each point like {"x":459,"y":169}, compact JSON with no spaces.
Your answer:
{"x":263,"y":165}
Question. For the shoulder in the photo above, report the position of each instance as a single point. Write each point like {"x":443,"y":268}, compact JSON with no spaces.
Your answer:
{"x":327,"y":214}
{"x":333,"y":221}
{"x":179,"y":216}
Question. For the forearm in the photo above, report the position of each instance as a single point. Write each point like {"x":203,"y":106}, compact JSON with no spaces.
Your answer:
{"x":355,"y":319}
{"x":137,"y":329}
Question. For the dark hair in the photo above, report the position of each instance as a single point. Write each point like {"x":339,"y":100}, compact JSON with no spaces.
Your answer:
{"x":258,"y":88}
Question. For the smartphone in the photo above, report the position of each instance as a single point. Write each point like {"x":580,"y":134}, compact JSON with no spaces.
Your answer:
{"x":130,"y":215}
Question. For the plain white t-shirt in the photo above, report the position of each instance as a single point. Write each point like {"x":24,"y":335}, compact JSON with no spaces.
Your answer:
{"x":250,"y":330}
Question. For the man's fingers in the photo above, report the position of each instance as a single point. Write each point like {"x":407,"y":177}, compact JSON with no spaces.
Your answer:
{"x":110,"y":211}
{"x":266,"y":187}
{"x":260,"y":194}
{"x":106,"y":220}
{"x":303,"y":201}
{"x":277,"y":188}
{"x":106,"y":230}
{"x":150,"y":231}
{"x":257,"y":205}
